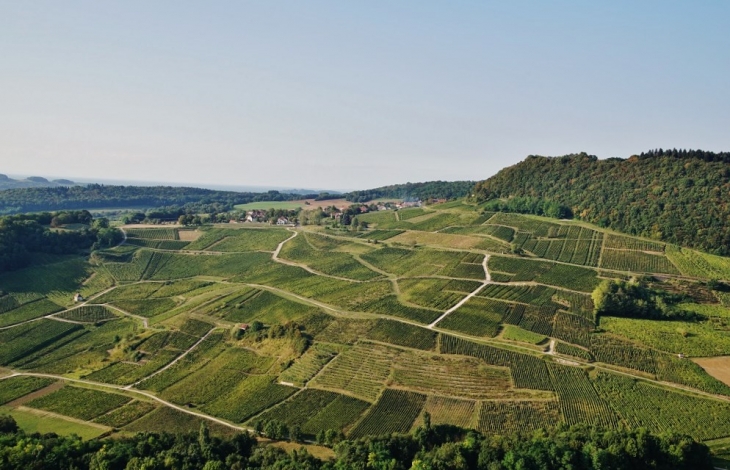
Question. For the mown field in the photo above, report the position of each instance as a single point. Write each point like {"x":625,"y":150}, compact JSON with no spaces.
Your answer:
{"x":483,"y":320}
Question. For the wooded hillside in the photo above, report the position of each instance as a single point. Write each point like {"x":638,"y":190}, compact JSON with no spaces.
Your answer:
{"x":678,"y":196}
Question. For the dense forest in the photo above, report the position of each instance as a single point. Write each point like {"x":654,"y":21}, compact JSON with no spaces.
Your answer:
{"x":182,"y":200}
{"x":422,"y":191}
{"x":32,"y":182}
{"x":96,"y":196}
{"x":432,"y":448}
{"x":678,"y":196}
{"x":23,"y":235}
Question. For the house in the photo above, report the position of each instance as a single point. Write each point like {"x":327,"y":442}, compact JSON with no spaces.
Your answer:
{"x":244,"y":327}
{"x":282,"y":221}
{"x":78,"y":298}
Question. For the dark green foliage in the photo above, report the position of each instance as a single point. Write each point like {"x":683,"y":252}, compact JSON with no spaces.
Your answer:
{"x":22,"y":235}
{"x":527,"y":371}
{"x":634,"y":299}
{"x":432,"y":447}
{"x":670,"y":195}
{"x":402,"y":334}
{"x":395,"y":411}
{"x":99,"y":196}
{"x":529,"y":205}
{"x":431,"y":189}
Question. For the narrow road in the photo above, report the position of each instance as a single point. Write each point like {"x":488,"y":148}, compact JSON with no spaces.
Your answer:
{"x":177,"y":359}
{"x":487,"y":280}
{"x":303,"y":266}
{"x":139,"y":392}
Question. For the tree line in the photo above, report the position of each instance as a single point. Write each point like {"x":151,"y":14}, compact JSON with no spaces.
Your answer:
{"x":415,"y":191}
{"x":428,"y":448}
{"x":25,"y":234}
{"x":677,"y":196}
{"x":97,"y":196}
{"x":187,"y":200}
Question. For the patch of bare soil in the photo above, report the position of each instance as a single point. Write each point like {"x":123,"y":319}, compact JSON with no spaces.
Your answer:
{"x":718,"y":367}
{"x":339,"y":203}
{"x":37,"y":394}
{"x":189,"y":235}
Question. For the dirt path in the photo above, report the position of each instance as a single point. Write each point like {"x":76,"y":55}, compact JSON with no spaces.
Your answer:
{"x":487,"y":281}
{"x":145,"y":321}
{"x":275,"y":257}
{"x":135,"y":391}
{"x":33,"y":395}
{"x":177,"y":359}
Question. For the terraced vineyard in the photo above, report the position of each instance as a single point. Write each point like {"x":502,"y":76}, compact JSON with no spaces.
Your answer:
{"x":338,"y":332}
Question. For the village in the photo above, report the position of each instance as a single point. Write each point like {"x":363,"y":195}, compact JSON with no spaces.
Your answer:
{"x":340,"y":214}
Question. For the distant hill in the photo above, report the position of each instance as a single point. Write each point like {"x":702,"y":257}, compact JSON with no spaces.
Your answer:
{"x":96,"y":196}
{"x":678,"y":196}
{"x":59,"y":195}
{"x":429,"y":189}
{"x":32,"y":182}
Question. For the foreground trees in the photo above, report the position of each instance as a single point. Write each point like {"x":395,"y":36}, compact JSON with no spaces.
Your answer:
{"x":429,"y":448}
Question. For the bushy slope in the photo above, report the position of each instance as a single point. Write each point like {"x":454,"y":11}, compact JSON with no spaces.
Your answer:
{"x":676,"y":196}
{"x":429,"y":189}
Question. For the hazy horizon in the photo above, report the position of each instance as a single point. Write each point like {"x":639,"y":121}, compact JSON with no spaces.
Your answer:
{"x":352,"y":95}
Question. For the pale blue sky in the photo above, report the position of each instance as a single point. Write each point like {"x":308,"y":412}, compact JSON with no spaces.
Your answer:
{"x":346,"y":94}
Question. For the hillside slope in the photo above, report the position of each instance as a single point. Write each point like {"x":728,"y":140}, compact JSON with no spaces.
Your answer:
{"x":31,"y":182}
{"x":674,"y":196}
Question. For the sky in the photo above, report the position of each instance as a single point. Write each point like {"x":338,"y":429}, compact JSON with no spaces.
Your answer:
{"x":352,"y":94}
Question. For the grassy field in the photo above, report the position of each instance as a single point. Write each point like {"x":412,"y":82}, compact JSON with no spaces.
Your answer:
{"x":32,"y":421}
{"x":335,"y":332}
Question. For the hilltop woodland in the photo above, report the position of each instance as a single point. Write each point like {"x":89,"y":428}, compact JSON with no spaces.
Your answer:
{"x":677,"y":196}
{"x":415,"y":191}
{"x":443,"y":336}
{"x":23,"y":235}
{"x":172,"y":202}
{"x":97,"y":196}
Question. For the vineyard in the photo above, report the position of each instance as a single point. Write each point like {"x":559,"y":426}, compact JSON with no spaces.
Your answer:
{"x":16,"y":387}
{"x":88,"y":314}
{"x":444,"y":410}
{"x":339,"y":331}
{"x":319,"y":254}
{"x":81,"y":403}
{"x":402,"y":334}
{"x":551,"y":274}
{"x":660,"y":410}
{"x":360,"y":371}
{"x":578,"y":400}
{"x":527,"y":371}
{"x":153,"y":233}
{"x":698,"y":264}
{"x":499,"y":417}
{"x":462,"y":377}
{"x":395,"y":411}
{"x":316,"y":410}
{"x":478,"y":317}
{"x":29,"y":311}
{"x":128,"y":413}
{"x":513,"y":333}
{"x":637,"y":262}
{"x":308,"y":365}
